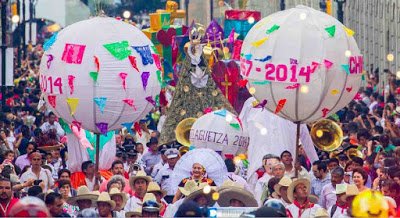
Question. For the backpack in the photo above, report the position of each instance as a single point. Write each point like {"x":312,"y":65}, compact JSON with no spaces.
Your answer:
{"x":333,"y":210}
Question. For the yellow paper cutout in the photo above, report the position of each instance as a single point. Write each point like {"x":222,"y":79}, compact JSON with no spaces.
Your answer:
{"x":334,"y":91}
{"x":259,"y":42}
{"x":73,"y":104}
{"x":348,"y":31}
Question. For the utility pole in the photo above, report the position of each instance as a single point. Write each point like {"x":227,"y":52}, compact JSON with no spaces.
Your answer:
{"x":282,"y":4}
{"x":24,"y":28}
{"x":3,"y":51}
{"x":19,"y":33}
{"x":30,"y":20}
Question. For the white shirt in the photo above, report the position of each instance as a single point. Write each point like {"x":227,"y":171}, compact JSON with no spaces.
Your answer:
{"x":307,"y":213}
{"x":238,"y":179}
{"x":260,"y":186}
{"x":372,"y":106}
{"x":339,"y":213}
{"x":56,"y":166}
{"x":157,"y":168}
{"x":120,"y":214}
{"x":302,"y":174}
{"x":90,"y":184}
{"x":44,"y":175}
{"x":133,"y":204}
{"x":47,"y":126}
{"x":172,"y":208}
{"x":161,"y":122}
{"x":163,"y":178}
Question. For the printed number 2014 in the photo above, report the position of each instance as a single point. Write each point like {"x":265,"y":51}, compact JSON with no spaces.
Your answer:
{"x":48,"y":84}
{"x":281,"y":73}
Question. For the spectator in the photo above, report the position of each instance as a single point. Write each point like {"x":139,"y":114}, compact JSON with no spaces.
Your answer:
{"x":23,"y":160}
{"x":54,"y":203}
{"x":117,"y":168}
{"x":322,"y":177}
{"x":45,"y":179}
{"x":6,"y":197}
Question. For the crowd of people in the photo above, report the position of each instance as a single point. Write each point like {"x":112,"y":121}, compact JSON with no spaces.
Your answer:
{"x":36,"y":181}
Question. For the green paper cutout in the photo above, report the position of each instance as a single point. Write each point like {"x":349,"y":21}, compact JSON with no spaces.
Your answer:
{"x":363,"y":77}
{"x":157,"y":99}
{"x":159,"y":76}
{"x":273,"y":29}
{"x":154,"y":49}
{"x":65,"y":126}
{"x":346,"y":68}
{"x":331,"y":30}
{"x":235,"y":125}
{"x":91,"y":137}
{"x":94,"y":75}
{"x":265,"y":82}
{"x":119,"y":49}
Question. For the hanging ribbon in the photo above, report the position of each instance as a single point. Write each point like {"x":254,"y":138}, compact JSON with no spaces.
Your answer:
{"x":328,"y":64}
{"x":77,"y":124}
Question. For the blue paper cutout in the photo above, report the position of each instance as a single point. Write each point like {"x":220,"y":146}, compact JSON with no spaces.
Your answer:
{"x":145,"y":53}
{"x":47,"y":45}
{"x":100,"y":102}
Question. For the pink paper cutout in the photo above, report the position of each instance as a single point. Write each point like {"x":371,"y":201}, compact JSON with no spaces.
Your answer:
{"x":130,"y":102}
{"x":207,"y":110}
{"x":157,"y":61}
{"x":50,"y":58}
{"x":123,"y":77}
{"x":325,"y":111}
{"x":328,"y":64}
{"x":314,"y":66}
{"x":73,"y":53}
{"x":295,"y":86}
{"x":71,"y":79}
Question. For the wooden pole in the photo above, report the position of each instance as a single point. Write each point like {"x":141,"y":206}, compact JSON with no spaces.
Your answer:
{"x":97,"y":152}
{"x":297,"y":147}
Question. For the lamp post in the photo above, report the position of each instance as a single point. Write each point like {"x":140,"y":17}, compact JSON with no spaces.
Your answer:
{"x":30,"y":21}
{"x":24,"y":28}
{"x":3,"y":51}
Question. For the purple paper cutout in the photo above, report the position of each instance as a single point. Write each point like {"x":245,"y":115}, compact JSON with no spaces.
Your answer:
{"x":151,"y":100}
{"x":50,"y":58}
{"x":103,"y":127}
{"x":145,"y":78}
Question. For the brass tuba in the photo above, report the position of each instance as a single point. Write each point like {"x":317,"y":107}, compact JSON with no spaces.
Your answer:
{"x":354,"y":152}
{"x":182,"y":131}
{"x":326,"y":135}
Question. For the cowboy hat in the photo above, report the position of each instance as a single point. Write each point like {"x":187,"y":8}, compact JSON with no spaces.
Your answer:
{"x":83,"y":193}
{"x":116,"y":191}
{"x":137,"y":212}
{"x":293,"y":185}
{"x":105,"y":197}
{"x":236,"y":191}
{"x":351,"y":190}
{"x":340,"y":189}
{"x":321,"y":213}
{"x":192,"y":192}
{"x":154,"y":187}
{"x":140,"y":175}
{"x":228,"y":184}
{"x":284,"y":182}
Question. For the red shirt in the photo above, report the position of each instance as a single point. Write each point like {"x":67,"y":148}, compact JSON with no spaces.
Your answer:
{"x":5,"y":209}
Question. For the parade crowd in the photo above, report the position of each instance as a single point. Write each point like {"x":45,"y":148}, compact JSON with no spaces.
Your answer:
{"x":37,"y":182}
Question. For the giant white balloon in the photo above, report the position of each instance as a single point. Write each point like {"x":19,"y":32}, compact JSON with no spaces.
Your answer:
{"x":220,"y":131}
{"x":100,"y":74}
{"x":302,"y":64}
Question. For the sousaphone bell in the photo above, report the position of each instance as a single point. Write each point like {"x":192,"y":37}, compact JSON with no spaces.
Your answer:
{"x":182,"y":131}
{"x":326,"y":135}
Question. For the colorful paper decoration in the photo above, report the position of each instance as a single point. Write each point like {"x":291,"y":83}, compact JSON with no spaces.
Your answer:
{"x":52,"y":100}
{"x":311,"y":64}
{"x":100,"y":102}
{"x":325,"y":112}
{"x":128,"y":126}
{"x":165,"y":37}
{"x":145,"y":53}
{"x":151,"y":100}
{"x":95,"y":65}
{"x":73,"y":104}
{"x":50,"y":58}
{"x":261,"y":104}
{"x":239,"y":20}
{"x":331,"y":30}
{"x":220,"y":131}
{"x":349,"y":89}
{"x":258,"y":43}
{"x":47,"y":45}
{"x":349,"y":31}
{"x":119,"y":49}
{"x":71,"y":79}
{"x":130,"y":102}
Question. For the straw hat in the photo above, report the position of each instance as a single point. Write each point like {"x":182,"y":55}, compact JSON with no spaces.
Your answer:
{"x":137,"y":212}
{"x":236,"y":191}
{"x":83,"y":193}
{"x":192,"y":191}
{"x":140,"y":175}
{"x":340,"y":189}
{"x":116,"y":191}
{"x":284,"y":182}
{"x":154,"y":187}
{"x":293,"y":185}
{"x":321,"y":213}
{"x":351,"y":190}
{"x":150,"y":203}
{"x":105,"y":197}
{"x":228,"y":184}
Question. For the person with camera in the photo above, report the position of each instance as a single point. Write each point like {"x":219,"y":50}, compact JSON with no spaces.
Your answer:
{"x":40,"y":175}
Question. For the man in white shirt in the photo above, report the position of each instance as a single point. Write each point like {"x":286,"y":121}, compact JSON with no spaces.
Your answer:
{"x":298,"y":193}
{"x":328,"y":197}
{"x":36,"y":172}
{"x":269,"y":160}
{"x":290,"y":170}
{"x":343,"y":192}
{"x":138,"y":184}
{"x":163,"y":177}
{"x":52,"y":125}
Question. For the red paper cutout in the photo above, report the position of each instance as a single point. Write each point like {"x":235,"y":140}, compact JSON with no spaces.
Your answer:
{"x":242,"y":83}
{"x":130,"y":102}
{"x":73,"y":53}
{"x":280,"y":105}
{"x":52,"y":100}
{"x":165,"y":37}
{"x":157,"y":61}
{"x":123,"y":77}
{"x":325,"y":111}
{"x":295,"y":86}
{"x":137,"y":128}
{"x":97,"y":63}
{"x":348,"y":89}
{"x":132,"y":59}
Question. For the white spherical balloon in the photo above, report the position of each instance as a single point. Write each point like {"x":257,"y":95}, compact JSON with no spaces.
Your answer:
{"x":220,"y":131}
{"x":301,"y":64}
{"x":100,"y":74}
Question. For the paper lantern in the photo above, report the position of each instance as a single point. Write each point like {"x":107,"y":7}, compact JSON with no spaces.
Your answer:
{"x":220,"y":131}
{"x":304,"y":63}
{"x":100,"y":74}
